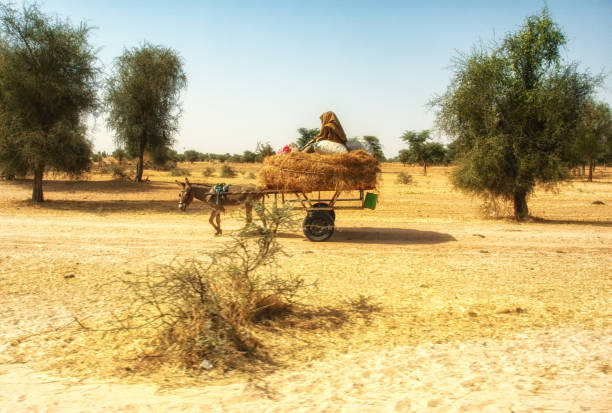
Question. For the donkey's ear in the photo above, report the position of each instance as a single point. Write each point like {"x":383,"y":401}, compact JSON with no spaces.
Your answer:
{"x":181,"y":184}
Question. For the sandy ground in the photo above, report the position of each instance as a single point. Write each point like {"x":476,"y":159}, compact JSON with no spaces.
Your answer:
{"x":467,"y":314}
{"x":562,"y":370}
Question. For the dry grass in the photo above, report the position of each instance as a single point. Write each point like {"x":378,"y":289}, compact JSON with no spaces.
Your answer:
{"x":423,"y":267}
{"x":306,"y":172}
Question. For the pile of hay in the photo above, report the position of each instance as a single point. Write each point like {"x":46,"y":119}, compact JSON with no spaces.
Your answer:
{"x":306,"y":172}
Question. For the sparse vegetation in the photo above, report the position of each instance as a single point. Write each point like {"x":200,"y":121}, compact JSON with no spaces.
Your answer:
{"x":403,"y":178}
{"x":227,"y":171}
{"x":208,"y":171}
{"x":180,"y":172}
{"x":119,"y":172}
{"x":208,"y":308}
{"x":474,"y":293}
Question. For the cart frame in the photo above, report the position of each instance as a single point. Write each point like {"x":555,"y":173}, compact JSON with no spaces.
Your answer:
{"x":319,"y":223}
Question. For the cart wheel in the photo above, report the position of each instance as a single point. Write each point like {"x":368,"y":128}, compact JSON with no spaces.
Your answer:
{"x":323,"y":204}
{"x":318,"y":226}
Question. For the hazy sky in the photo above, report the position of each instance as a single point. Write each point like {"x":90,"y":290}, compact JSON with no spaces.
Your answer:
{"x":259,"y":70}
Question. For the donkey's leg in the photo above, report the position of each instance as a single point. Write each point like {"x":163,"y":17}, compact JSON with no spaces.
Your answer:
{"x":248,"y":206}
{"x":219,"y":232}
{"x":211,"y":220}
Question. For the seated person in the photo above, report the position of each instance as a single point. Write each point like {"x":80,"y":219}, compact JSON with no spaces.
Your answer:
{"x":331,"y":130}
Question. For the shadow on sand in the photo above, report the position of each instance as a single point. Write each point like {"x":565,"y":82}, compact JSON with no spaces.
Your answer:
{"x":368,"y":235}
{"x":109,"y":207}
{"x":108,"y":187}
{"x":538,"y":220}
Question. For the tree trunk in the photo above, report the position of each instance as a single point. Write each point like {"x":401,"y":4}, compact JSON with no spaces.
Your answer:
{"x":37,"y":189}
{"x":583,"y":170}
{"x":520,"y":206}
{"x":140,"y":165}
{"x":425,"y":168}
{"x":590,"y":179}
{"x":139,"y":168}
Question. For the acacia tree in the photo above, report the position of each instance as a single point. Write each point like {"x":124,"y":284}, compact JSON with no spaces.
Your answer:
{"x":375,"y":147}
{"x":142,"y":98}
{"x":48,"y":84}
{"x":593,"y":134}
{"x":421,"y":150}
{"x":306,"y":135}
{"x":513,"y":111}
{"x":263,"y":150}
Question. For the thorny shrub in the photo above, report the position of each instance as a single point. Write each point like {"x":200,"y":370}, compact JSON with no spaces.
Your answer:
{"x":207,"y":309}
{"x":227,"y":171}
{"x":403,"y":178}
{"x":119,"y":172}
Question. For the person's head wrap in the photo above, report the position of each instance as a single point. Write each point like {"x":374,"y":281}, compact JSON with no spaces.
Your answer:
{"x":331,"y":129}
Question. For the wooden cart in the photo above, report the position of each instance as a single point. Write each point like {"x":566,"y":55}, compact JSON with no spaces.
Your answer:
{"x":319,"y":223}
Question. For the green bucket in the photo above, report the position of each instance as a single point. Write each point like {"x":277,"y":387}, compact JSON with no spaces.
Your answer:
{"x":370,"y":200}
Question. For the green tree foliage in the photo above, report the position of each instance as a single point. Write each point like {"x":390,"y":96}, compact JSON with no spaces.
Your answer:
{"x":48,"y":84}
{"x":593,"y":135}
{"x":513,"y":110}
{"x":263,"y":150}
{"x":306,"y":135}
{"x":375,"y":147}
{"x":452,"y":150}
{"x":119,"y":154}
{"x":421,"y":150}
{"x":192,"y":156}
{"x":142,"y":98}
{"x":163,"y":158}
{"x":249,"y":156}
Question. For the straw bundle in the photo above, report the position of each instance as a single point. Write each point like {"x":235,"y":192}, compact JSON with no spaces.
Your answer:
{"x":306,"y":172}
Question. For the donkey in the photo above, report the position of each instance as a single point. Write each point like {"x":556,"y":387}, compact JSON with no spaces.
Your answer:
{"x":217,"y":199}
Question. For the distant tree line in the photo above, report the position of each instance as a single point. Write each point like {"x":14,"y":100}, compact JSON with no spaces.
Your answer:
{"x":162,"y":156}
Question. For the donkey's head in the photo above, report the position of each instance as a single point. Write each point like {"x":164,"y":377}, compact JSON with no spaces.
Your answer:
{"x":186,"y":195}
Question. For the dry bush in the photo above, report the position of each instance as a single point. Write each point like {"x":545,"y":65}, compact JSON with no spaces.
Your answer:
{"x":119,"y":172}
{"x":403,"y":178}
{"x":495,"y":206}
{"x":208,"y":171}
{"x":104,"y":169}
{"x":227,"y":172}
{"x":164,"y":166}
{"x":179,"y":172}
{"x":207,"y":309}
